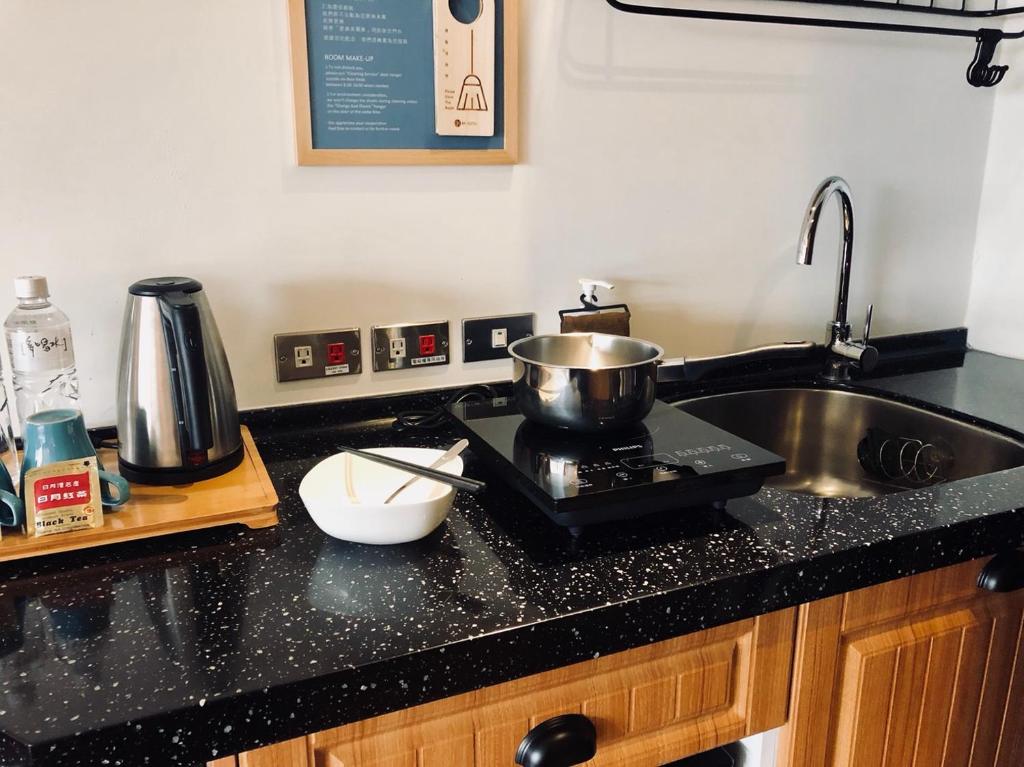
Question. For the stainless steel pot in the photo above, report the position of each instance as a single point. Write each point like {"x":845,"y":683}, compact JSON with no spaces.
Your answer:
{"x":588,"y":382}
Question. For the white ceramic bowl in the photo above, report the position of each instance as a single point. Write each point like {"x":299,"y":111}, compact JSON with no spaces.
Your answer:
{"x":345,"y":497}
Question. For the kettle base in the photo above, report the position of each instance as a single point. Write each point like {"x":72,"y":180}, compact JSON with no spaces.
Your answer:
{"x":179,"y":475}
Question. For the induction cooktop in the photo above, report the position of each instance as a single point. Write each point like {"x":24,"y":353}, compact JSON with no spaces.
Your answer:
{"x":670,"y":460}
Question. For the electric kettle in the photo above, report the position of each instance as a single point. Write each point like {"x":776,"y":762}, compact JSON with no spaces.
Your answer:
{"x":177,"y":419}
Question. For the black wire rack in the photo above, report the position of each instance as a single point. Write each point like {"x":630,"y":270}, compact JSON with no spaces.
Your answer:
{"x":981,"y":72}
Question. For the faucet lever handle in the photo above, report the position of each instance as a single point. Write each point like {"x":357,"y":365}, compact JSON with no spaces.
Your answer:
{"x":867,"y":323}
{"x":589,"y":286}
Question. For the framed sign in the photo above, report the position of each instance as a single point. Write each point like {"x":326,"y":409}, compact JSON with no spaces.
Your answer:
{"x":405,"y":82}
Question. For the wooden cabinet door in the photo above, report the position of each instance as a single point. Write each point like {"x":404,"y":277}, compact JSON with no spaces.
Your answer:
{"x":289,"y":753}
{"x":920,"y":672}
{"x":650,"y":706}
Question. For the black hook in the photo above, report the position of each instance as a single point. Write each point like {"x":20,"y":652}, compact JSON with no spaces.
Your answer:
{"x":981,"y":73}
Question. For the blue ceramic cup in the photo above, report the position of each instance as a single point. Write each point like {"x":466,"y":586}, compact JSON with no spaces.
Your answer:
{"x":12,"y":510}
{"x":60,"y":435}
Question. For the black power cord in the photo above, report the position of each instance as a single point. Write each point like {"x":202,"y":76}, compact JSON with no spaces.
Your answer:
{"x":425,"y":420}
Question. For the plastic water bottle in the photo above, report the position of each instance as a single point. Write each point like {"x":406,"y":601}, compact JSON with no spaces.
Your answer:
{"x":41,"y":352}
{"x":8,"y":449}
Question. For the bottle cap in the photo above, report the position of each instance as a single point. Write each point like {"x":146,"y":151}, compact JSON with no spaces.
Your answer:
{"x":31,"y":287}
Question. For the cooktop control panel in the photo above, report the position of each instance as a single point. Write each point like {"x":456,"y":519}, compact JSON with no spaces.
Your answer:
{"x":670,"y":459}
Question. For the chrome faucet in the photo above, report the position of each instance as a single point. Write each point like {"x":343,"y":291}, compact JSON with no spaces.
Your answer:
{"x":840,"y":336}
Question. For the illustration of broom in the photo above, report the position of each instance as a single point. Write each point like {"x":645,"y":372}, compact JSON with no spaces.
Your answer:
{"x":471,"y":97}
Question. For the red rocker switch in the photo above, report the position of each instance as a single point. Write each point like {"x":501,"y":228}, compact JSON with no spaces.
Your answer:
{"x":336,"y":354}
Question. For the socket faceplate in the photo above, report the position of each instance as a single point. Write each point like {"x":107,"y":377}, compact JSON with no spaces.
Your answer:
{"x":335,"y":353}
{"x":481,"y":336}
{"x":410,"y":345}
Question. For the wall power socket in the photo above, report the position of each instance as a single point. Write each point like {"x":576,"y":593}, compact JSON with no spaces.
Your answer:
{"x":488,"y":338}
{"x":319,"y":354}
{"x":410,"y":345}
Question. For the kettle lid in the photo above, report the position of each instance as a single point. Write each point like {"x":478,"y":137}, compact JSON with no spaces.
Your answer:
{"x":159,"y":286}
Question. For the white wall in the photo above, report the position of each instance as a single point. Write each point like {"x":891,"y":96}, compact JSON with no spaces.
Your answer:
{"x":996,"y":310}
{"x":141,"y":138}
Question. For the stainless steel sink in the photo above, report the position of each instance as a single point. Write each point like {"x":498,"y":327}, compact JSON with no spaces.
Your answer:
{"x":819,"y":431}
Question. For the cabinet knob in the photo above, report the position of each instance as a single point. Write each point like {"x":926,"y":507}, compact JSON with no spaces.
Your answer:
{"x":1004,"y":572}
{"x":561,"y":741}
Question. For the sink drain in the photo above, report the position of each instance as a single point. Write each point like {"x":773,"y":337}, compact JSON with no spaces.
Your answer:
{"x":910,"y":460}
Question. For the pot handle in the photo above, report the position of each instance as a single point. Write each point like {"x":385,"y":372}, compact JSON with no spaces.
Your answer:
{"x":695,"y":368}
{"x":672,"y":370}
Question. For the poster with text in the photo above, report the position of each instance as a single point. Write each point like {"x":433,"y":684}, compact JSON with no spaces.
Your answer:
{"x":371,"y":76}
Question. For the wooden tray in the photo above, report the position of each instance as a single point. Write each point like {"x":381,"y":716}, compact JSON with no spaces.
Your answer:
{"x":245,"y":495}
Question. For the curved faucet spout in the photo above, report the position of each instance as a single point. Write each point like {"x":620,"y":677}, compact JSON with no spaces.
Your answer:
{"x":834,"y":185}
{"x":840,"y":340}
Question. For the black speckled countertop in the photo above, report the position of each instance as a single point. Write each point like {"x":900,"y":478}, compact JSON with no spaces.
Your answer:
{"x":182,"y":649}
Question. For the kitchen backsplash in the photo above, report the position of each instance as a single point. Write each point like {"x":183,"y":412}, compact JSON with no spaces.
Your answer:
{"x":995,"y":314}
{"x":675,"y":159}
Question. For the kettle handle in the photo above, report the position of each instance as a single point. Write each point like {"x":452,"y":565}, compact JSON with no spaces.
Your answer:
{"x":182,"y":313}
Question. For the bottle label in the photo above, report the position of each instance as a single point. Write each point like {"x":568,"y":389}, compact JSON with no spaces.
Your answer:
{"x":35,"y":352}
